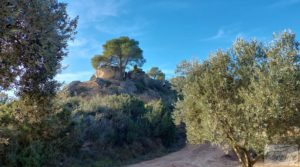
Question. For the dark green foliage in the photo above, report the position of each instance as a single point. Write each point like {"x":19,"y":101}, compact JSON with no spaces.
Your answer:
{"x":120,"y":123}
{"x":136,"y":69}
{"x":120,"y":53}
{"x":102,"y":129}
{"x":40,"y":129}
{"x":32,"y":141}
{"x":33,"y":41}
{"x":127,"y":120}
{"x":161,"y":122}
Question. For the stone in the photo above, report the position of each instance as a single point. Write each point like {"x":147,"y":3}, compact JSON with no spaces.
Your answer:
{"x":108,"y":72}
{"x":281,"y":155}
{"x":128,"y":87}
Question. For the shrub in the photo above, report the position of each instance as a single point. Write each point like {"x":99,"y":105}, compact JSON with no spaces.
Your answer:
{"x":112,"y":128}
{"x":161,"y":122}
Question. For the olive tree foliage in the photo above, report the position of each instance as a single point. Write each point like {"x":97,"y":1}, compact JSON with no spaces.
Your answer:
{"x":156,"y":73}
{"x":33,"y":41}
{"x":121,"y":53}
{"x":246,"y":97}
{"x":178,"y":82}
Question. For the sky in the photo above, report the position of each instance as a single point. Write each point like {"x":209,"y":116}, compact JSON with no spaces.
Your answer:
{"x":170,"y":31}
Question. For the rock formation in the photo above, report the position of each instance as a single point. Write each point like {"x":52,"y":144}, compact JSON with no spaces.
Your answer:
{"x":107,"y":82}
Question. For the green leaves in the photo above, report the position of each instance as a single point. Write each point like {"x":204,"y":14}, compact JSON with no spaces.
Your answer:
{"x":33,"y":41}
{"x":246,"y":96}
{"x":120,"y":52}
{"x":156,"y":73}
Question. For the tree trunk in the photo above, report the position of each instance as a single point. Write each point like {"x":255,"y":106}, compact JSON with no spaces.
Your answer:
{"x":121,"y":72}
{"x":247,"y":159}
{"x":243,"y":156}
{"x":237,"y":152}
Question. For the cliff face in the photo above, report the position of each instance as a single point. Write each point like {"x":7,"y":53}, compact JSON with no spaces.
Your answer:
{"x":136,"y":84}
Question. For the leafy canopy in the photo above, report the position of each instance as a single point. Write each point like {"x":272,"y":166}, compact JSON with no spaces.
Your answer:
{"x":33,"y":41}
{"x":156,"y":73}
{"x":246,"y":97}
{"x":120,"y":52}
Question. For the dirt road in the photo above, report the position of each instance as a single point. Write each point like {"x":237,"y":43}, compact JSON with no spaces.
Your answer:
{"x":192,"y":156}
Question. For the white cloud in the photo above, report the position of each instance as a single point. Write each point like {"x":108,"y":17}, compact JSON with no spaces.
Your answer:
{"x":219,"y":35}
{"x":85,"y":48}
{"x":74,"y":76}
{"x":281,"y":3}
{"x":104,"y":16}
{"x":223,"y":32}
{"x":124,"y":28}
{"x":96,"y":10}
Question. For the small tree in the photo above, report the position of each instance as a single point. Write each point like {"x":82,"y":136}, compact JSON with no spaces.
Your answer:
{"x":246,"y":97}
{"x":156,"y":73}
{"x":120,"y":52}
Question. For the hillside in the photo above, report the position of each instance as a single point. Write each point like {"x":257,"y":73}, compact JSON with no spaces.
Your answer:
{"x":116,"y":121}
{"x":140,"y":85}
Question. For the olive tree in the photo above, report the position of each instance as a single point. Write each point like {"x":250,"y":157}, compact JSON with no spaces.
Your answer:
{"x":245,"y":97}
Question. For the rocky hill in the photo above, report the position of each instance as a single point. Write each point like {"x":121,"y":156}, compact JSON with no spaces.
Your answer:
{"x":139,"y":85}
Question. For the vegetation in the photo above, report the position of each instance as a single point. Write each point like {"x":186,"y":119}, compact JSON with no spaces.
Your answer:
{"x":245,"y":97}
{"x":136,"y":69}
{"x":33,"y":41}
{"x":109,"y":129}
{"x":156,"y":73}
{"x":3,"y":98}
{"x":120,"y":52}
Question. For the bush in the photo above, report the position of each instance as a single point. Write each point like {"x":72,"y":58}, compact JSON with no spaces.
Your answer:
{"x":111,"y":128}
{"x":162,"y":125}
{"x":122,"y":123}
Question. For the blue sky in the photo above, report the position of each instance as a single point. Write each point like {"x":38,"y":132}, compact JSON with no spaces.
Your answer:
{"x":170,"y":31}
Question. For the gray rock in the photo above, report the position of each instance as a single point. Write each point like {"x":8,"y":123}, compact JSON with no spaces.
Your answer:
{"x":102,"y":82}
{"x":71,"y":88}
{"x":281,"y":155}
{"x":128,"y":87}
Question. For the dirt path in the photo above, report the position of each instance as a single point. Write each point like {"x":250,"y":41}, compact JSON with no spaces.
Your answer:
{"x":192,"y":156}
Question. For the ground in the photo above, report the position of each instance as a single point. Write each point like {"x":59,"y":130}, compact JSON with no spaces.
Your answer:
{"x":192,"y":156}
{"x":203,"y":155}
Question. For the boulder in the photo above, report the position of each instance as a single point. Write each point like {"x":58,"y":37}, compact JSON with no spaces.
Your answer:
{"x":281,"y":155}
{"x":128,"y":87}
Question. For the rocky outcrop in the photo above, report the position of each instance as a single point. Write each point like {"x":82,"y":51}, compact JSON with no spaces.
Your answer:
{"x":136,"y":84}
{"x":282,"y":155}
{"x":108,"y":72}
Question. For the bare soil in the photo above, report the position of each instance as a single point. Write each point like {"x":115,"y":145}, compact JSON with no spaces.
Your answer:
{"x":204,"y":155}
